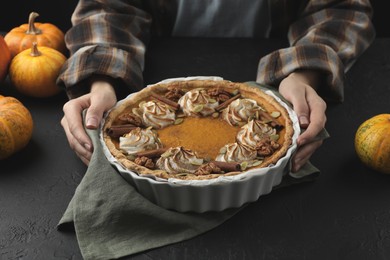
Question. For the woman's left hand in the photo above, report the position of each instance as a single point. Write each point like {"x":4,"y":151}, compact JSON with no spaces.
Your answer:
{"x":299,"y":89}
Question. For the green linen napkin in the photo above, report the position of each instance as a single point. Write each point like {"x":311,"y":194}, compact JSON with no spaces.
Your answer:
{"x":111,"y":219}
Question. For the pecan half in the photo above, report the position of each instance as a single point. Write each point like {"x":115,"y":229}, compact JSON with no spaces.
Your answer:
{"x":174,"y":93}
{"x":130,"y":119}
{"x":145,"y":161}
{"x":266,"y":146}
{"x":208,"y":168}
{"x":219,"y":94}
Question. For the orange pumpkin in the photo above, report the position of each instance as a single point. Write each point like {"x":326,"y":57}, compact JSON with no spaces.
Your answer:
{"x":372,"y":143}
{"x":16,"y":126}
{"x":5,"y":59}
{"x":34,"y":72}
{"x":45,"y":34}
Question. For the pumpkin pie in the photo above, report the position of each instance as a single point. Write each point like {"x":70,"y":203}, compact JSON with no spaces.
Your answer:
{"x":197,"y":129}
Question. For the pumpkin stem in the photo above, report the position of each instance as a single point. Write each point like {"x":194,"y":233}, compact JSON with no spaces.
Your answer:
{"x":34,"y":50}
{"x":31,"y":26}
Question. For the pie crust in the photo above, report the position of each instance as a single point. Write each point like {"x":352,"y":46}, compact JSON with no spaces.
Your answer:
{"x":185,"y":130}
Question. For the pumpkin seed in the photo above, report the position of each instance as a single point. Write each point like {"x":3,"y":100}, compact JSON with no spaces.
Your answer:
{"x":196,"y":162}
{"x":223,"y":150}
{"x":243,"y":165}
{"x":257,"y":163}
{"x":198,"y":108}
{"x":275,"y":114}
{"x":131,"y":157}
{"x":178,"y":121}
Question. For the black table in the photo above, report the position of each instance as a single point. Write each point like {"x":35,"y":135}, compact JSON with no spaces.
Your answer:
{"x":344,"y":214}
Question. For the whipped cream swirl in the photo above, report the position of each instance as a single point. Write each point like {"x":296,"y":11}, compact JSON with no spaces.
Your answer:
{"x":240,"y":111}
{"x":155,"y":114}
{"x":253,"y":132}
{"x":234,"y":152}
{"x":197,"y":102}
{"x":179,"y":160}
{"x":139,"y":140}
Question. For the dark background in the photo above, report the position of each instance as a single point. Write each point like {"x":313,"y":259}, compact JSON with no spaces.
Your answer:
{"x":59,"y":12}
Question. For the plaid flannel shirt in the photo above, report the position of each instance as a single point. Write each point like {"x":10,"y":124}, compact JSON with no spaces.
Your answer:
{"x":108,"y":38}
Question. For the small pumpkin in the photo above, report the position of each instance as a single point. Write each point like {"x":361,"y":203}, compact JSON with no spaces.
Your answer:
{"x":5,"y":58}
{"x":45,"y":34}
{"x":372,"y":143}
{"x":16,"y":126}
{"x":34,"y":72}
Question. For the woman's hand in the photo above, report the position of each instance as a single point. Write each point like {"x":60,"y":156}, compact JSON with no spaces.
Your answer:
{"x":299,"y":89}
{"x":101,"y":98}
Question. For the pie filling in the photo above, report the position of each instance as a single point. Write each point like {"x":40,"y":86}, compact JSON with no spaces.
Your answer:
{"x":206,"y":141}
{"x":198,"y":130}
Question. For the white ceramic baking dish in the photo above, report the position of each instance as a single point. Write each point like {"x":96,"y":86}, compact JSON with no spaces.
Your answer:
{"x":215,"y":194}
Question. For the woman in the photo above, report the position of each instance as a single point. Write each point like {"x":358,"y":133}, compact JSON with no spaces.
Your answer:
{"x":108,"y":39}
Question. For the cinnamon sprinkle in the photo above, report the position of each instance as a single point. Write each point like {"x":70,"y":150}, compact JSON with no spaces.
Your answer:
{"x":227,"y":166}
{"x":152,"y":153}
{"x":167,"y":101}
{"x":268,"y":117}
{"x":227,"y":102}
{"x":119,"y":130}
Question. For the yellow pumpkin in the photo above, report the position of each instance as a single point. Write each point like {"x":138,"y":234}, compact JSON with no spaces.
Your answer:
{"x":16,"y":126}
{"x":45,"y":34}
{"x":34,"y":72}
{"x":5,"y":59}
{"x":372,"y":143}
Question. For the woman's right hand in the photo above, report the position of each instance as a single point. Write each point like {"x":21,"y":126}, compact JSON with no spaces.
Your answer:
{"x":101,"y":98}
{"x":298,"y":89}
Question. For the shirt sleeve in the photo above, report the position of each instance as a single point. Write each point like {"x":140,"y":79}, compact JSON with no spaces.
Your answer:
{"x":328,"y":36}
{"x":108,"y":39}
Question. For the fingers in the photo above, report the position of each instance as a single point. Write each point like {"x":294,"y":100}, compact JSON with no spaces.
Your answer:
{"x":84,"y":152}
{"x":95,"y":112}
{"x":314,"y":112}
{"x":301,"y":107}
{"x":317,"y":109}
{"x":310,"y":109}
{"x":311,"y":114}
{"x":303,"y":154}
{"x":101,"y":98}
{"x":93,"y":117}
{"x":72,"y":123}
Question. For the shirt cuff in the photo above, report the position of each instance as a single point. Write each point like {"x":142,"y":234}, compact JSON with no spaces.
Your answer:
{"x":125,"y":69}
{"x":274,"y":67}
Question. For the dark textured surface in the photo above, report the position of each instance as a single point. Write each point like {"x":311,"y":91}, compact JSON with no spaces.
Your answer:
{"x":344,"y":214}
